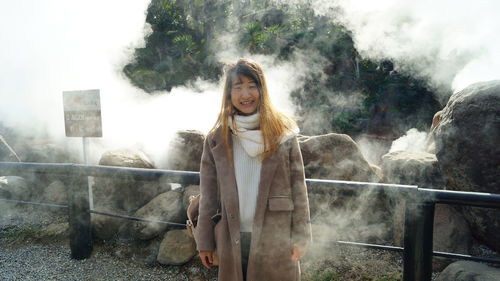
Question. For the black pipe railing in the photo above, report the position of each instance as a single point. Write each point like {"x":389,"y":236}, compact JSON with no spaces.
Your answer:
{"x":419,"y":210}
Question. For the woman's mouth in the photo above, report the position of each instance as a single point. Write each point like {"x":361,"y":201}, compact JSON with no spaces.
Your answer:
{"x":247,"y":103}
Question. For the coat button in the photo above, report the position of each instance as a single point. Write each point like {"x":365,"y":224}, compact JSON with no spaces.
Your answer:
{"x":231,"y":216}
{"x":237,"y":241}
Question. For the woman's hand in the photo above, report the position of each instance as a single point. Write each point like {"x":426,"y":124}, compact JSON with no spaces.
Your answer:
{"x":298,"y":251}
{"x":207,"y":258}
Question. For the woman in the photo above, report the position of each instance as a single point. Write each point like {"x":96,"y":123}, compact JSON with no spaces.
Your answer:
{"x":254,"y":210}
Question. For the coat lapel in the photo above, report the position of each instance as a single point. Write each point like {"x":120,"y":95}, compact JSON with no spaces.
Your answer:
{"x":229,"y":191}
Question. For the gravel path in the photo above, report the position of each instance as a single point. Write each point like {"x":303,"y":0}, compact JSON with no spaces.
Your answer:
{"x":50,"y":260}
{"x":53,"y":262}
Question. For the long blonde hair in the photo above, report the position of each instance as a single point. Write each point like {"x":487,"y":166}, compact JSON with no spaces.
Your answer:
{"x":273,"y":124}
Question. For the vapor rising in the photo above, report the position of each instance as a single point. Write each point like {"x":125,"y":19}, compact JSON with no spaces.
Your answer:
{"x":55,"y":46}
{"x":452,"y":43}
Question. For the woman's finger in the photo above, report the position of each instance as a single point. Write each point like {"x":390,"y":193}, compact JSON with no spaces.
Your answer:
{"x":210,"y":258}
{"x":205,"y":260}
{"x":297,"y":252}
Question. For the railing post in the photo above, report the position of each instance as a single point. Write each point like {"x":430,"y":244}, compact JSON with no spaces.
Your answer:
{"x":417,"y":255}
{"x":80,"y":234}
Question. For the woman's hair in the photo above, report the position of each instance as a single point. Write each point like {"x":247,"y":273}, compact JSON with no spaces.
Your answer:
{"x":273,"y":124}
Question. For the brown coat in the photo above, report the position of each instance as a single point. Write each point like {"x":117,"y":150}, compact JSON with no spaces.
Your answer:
{"x":281,"y":216}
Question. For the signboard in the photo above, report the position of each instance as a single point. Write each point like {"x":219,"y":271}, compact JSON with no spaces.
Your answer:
{"x":82,"y":113}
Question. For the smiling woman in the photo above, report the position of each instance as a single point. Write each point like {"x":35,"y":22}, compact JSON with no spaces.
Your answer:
{"x":245,"y":95}
{"x":252,"y":181}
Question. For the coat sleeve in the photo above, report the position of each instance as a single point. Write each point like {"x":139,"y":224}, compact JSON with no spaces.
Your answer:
{"x":301,"y":224}
{"x":204,"y":232}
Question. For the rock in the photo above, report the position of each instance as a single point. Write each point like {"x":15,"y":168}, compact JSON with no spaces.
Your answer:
{"x":185,"y":151}
{"x":431,"y":143}
{"x":414,"y":168}
{"x":45,"y":152}
{"x":469,"y":271}
{"x":189,"y":191}
{"x":15,"y":188}
{"x":335,"y":157}
{"x":355,"y":218}
{"x":56,"y":193}
{"x":451,"y":234}
{"x":125,"y":158}
{"x":177,"y":248}
{"x":124,"y":192}
{"x":106,"y":227}
{"x":165,"y":207}
{"x":377,"y":170}
{"x":468,"y":152}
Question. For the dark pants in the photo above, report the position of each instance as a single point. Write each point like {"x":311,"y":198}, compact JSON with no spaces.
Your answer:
{"x":246,"y":237}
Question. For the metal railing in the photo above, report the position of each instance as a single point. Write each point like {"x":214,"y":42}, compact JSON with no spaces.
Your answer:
{"x":419,"y":208}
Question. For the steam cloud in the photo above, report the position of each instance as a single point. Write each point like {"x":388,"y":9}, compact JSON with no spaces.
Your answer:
{"x":452,"y":43}
{"x":55,"y":46}
{"x":412,"y":141}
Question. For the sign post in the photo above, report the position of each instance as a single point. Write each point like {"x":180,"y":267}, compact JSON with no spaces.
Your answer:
{"x":82,"y":118}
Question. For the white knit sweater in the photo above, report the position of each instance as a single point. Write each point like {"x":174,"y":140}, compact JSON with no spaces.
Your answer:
{"x":247,"y":171}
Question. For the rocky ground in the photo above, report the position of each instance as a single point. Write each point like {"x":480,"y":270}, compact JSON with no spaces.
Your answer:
{"x":34,"y":246}
{"x":30,"y":251}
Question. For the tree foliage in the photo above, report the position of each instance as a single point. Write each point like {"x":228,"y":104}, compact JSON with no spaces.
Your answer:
{"x":181,"y":48}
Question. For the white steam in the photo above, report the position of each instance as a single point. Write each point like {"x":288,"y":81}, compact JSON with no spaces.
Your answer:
{"x":413,"y":141}
{"x":53,"y":46}
{"x":450,"y":42}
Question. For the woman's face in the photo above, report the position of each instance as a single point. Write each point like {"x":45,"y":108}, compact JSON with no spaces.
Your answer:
{"x":245,"y":95}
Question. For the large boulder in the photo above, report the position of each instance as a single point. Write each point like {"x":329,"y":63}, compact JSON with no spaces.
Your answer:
{"x":467,"y":149}
{"x":335,"y":157}
{"x":124,"y":192}
{"x":185,"y":151}
{"x":125,"y":158}
{"x":56,"y":193}
{"x":451,"y":231}
{"x":414,"y":168}
{"x":469,"y":271}
{"x":177,"y":248}
{"x":451,"y":234}
{"x":45,"y":152}
{"x":107,"y":227}
{"x":165,"y":207}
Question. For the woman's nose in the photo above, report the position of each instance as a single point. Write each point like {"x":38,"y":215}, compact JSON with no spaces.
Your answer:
{"x":245,"y":92}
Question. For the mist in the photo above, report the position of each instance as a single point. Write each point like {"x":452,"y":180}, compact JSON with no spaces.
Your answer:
{"x":413,"y":141}
{"x":450,"y":43}
{"x":55,"y":46}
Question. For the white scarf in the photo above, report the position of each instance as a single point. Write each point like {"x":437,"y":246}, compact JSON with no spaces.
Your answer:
{"x":251,"y":139}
